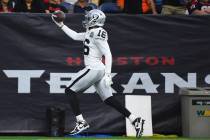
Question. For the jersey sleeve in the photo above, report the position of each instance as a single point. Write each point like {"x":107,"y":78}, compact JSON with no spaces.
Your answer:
{"x":101,"y":41}
{"x":74,"y":35}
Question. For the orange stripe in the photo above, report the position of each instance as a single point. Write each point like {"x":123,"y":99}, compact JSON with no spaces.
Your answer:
{"x":121,"y":4}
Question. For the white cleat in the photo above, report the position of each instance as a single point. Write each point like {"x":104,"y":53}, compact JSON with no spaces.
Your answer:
{"x":138,"y":123}
{"x":80,"y":127}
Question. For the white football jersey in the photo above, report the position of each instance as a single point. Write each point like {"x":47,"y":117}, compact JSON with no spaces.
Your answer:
{"x":92,"y":52}
{"x":95,"y":46}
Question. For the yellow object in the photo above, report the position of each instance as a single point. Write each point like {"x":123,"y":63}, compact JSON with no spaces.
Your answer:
{"x":96,"y":2}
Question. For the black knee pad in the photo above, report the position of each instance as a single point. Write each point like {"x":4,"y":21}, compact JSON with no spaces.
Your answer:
{"x":68,"y":91}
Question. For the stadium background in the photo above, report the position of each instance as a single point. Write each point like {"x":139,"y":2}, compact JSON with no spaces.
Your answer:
{"x":32,"y":42}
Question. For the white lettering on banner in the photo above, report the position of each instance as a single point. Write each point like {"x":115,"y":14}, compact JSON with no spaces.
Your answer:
{"x":172,"y":79}
{"x":147,"y":83}
{"x":207,"y":79}
{"x":57,"y":80}
{"x":24,"y":78}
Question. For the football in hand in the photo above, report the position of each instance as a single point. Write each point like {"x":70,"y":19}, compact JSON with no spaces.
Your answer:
{"x":58,"y":16}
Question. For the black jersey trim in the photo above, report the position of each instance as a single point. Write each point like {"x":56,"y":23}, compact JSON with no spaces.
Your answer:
{"x":76,"y":80}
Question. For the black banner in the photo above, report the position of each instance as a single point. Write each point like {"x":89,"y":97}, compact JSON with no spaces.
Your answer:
{"x":153,"y":55}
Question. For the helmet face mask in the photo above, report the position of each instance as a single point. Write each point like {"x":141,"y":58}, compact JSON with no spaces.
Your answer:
{"x":94,"y":18}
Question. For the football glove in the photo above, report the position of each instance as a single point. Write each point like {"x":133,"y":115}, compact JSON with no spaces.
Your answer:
{"x":108,"y":79}
{"x":59,"y":24}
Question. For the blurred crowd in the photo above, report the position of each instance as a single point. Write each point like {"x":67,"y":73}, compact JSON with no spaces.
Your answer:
{"x":165,"y":7}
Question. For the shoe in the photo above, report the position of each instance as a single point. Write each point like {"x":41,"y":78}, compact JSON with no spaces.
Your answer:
{"x":138,"y":123}
{"x":80,"y":126}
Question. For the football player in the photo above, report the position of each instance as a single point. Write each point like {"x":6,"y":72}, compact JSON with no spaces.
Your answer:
{"x":95,"y":72}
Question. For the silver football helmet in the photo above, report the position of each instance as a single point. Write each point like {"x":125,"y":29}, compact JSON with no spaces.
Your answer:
{"x":94,"y":17}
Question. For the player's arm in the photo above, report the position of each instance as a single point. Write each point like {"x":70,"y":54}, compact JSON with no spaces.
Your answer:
{"x":103,"y":46}
{"x":199,"y":12}
{"x":152,"y":5}
{"x":74,"y":35}
{"x":105,"y":50}
{"x":71,"y":33}
{"x":207,"y":11}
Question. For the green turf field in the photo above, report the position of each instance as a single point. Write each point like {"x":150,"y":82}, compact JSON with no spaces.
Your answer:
{"x":92,"y":138}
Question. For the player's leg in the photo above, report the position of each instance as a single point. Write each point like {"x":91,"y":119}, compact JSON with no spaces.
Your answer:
{"x":74,"y":102}
{"x":83,"y":80}
{"x":106,"y":95}
{"x":81,"y":124}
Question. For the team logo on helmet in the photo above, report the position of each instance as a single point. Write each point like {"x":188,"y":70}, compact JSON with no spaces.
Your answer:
{"x":94,"y":18}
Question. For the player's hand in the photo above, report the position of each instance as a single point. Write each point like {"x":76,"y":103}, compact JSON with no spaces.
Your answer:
{"x":59,"y":24}
{"x":108,"y":79}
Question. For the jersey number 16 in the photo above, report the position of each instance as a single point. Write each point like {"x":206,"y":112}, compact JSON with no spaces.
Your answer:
{"x":86,"y":48}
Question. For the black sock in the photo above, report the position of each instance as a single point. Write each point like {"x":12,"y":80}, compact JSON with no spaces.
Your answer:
{"x":74,"y":102}
{"x":111,"y":101}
